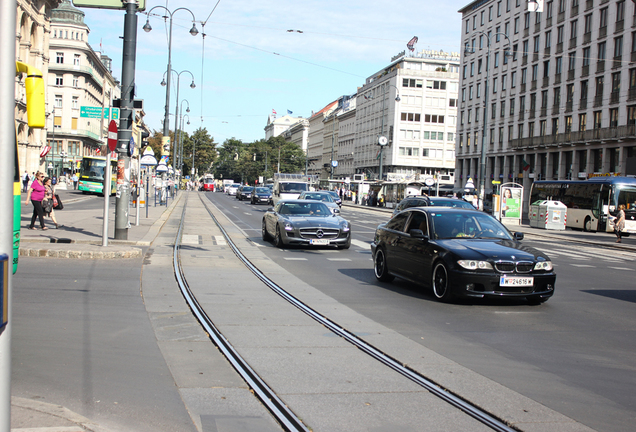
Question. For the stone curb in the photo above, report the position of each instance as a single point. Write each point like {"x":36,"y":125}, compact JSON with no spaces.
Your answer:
{"x":80,"y":254}
{"x":55,"y":412}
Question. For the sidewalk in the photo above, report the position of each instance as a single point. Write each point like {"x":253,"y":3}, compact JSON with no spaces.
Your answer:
{"x":80,"y":237}
{"x":80,"y":234}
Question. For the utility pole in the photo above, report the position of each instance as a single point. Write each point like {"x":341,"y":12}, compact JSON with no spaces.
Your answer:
{"x":8,"y":14}
{"x":126,"y":121}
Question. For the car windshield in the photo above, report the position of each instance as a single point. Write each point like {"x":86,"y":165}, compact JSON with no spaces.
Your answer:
{"x":318,"y":197}
{"x":262,"y":190}
{"x":453,"y":202}
{"x":448,"y":225}
{"x":305,"y":209}
{"x":248,"y":188}
{"x":209,"y":180}
{"x":236,"y":185}
{"x":293,"y":187}
{"x":334,"y":194}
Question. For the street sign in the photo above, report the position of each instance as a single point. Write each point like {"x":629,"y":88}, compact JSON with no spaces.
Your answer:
{"x":108,"y":4}
{"x":131,"y":146}
{"x":112,"y":135}
{"x":96,"y":112}
{"x":148,"y":160}
{"x":45,"y":150}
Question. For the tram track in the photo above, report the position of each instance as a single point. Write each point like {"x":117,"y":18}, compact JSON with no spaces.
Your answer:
{"x":288,"y":420}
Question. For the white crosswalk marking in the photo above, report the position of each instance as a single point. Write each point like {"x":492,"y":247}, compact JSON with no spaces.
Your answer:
{"x":220,"y":240}
{"x":191,"y":239}
{"x":360,"y":244}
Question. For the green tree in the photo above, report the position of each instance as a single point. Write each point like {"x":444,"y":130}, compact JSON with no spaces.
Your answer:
{"x":205,"y":154}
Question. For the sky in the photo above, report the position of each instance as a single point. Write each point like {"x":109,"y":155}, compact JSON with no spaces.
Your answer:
{"x":249,"y":63}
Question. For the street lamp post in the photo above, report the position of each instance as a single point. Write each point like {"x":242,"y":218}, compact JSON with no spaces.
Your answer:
{"x":482,"y":163}
{"x":382,"y":140}
{"x":176,"y":114}
{"x":193,"y":32}
{"x":180,"y":142}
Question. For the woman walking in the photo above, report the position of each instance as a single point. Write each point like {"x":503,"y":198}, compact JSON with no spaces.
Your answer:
{"x":47,"y":203}
{"x":619,"y":223}
{"x":36,"y":195}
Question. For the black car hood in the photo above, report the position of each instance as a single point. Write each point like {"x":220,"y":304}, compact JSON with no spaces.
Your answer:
{"x":491,"y":248}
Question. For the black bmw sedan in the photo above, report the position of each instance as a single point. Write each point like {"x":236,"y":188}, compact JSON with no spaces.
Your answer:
{"x":460,"y":253}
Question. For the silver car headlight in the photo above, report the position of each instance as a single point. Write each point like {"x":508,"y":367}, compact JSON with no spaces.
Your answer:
{"x":288,"y":227}
{"x":346,"y":227}
{"x":475,"y":265}
{"x":543,"y":265}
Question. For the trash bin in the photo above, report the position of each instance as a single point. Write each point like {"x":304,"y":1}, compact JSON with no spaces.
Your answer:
{"x":550,"y":215}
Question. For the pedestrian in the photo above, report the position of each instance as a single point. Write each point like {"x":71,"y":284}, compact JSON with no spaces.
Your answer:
{"x":47,"y":202}
{"x":25,"y":181}
{"x":36,"y":195}
{"x":619,"y":222}
{"x":75,"y":179}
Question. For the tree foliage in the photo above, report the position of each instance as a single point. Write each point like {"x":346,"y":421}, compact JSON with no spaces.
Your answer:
{"x":246,"y":162}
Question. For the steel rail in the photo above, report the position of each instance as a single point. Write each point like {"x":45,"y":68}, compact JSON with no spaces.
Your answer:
{"x":444,"y":394}
{"x":288,"y":420}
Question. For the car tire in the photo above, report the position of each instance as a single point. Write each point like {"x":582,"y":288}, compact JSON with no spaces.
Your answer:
{"x":264,"y":233}
{"x":380,"y":268}
{"x":441,"y":287}
{"x":278,"y":239}
{"x":587,"y":225}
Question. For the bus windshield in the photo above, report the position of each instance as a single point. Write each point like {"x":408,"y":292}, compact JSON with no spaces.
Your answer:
{"x":93,"y":169}
{"x":627,"y":196}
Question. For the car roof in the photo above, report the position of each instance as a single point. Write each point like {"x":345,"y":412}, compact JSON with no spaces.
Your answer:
{"x":440,"y":209}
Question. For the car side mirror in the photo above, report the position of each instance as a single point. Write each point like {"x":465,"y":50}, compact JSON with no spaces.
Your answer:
{"x":417,"y":233}
{"x":336,"y":211}
{"x":518,"y":236}
{"x":270,"y":209}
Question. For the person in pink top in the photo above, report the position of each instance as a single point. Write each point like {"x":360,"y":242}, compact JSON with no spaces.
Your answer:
{"x":36,"y":195}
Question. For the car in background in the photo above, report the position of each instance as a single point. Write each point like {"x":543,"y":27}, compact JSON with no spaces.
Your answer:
{"x":460,"y":253}
{"x":261,"y":195}
{"x":336,"y":197}
{"x":231,"y":189}
{"x":208,"y":184}
{"x":425,"y":201}
{"x":244,"y":192}
{"x":322,"y":196}
{"x":305,"y":222}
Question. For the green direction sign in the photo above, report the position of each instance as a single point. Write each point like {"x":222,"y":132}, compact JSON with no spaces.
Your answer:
{"x":96,"y":112}
{"x":108,"y":4}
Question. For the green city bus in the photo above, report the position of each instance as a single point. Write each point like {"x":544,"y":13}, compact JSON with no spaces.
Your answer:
{"x":91,"y":178}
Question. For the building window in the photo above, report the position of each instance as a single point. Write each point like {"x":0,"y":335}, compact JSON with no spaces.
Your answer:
{"x":59,"y":80}
{"x":436,"y":85}
{"x":75,"y":81}
{"x":631,"y":115}
{"x":430,"y":118}
{"x":572,"y":61}
{"x":560,"y":34}
{"x":599,"y":86}
{"x":582,"y":122}
{"x":586,"y":56}
{"x":558,"y":66}
{"x":603,"y":18}
{"x":620,"y":11}
{"x":613,"y":112}
{"x":616,"y":82}
{"x":75,"y":102}
{"x":568,"y":124}
{"x":601,"y":51}
{"x":76,"y":60}
{"x":58,"y":101}
{"x":584,"y":90}
{"x":59,"y":58}
{"x":546,"y":69}
{"x":512,"y":106}
{"x":598,"y":119}
{"x":618,"y":47}
{"x":555,"y":126}
{"x":411,"y":117}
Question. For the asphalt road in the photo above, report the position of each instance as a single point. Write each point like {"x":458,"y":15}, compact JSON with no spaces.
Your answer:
{"x":573,"y":354}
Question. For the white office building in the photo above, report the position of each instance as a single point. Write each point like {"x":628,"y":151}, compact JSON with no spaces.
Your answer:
{"x":413,"y":103}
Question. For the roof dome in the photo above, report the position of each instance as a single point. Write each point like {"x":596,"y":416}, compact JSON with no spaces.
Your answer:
{"x":67,"y":13}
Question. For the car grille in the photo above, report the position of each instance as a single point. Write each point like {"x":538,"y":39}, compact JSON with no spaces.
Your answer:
{"x":318,"y":233}
{"x":512,"y":267}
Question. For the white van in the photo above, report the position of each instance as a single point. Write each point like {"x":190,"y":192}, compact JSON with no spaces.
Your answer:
{"x":289,"y":186}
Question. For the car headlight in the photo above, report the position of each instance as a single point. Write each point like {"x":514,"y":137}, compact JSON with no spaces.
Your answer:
{"x":543,"y":265}
{"x":288,"y":227}
{"x":346,"y":227}
{"x":475,"y":265}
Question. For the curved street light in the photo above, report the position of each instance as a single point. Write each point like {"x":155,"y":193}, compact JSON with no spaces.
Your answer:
{"x":193,"y":31}
{"x":482,"y":163}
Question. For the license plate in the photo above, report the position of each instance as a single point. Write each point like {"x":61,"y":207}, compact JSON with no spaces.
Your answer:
{"x":516,"y":281}
{"x":319,"y":242}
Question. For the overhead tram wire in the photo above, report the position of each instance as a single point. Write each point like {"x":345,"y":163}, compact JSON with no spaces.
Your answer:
{"x":203,"y":55}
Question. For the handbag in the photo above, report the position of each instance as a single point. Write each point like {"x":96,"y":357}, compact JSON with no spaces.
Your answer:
{"x":47,"y":205}
{"x":57,"y":202}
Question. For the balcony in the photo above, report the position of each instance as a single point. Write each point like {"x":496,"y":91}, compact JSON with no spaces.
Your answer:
{"x":557,"y":78}
{"x":546,"y":52}
{"x":598,"y":100}
{"x":571,"y":74}
{"x":633,"y":56}
{"x":522,"y":115}
{"x":568,"y":106}
{"x":572,"y":43}
{"x":602,"y":32}
{"x":631,"y":94}
{"x":616,"y":64}
{"x":556,"y":109}
{"x":524,"y":60}
{"x":543,"y":112}
{"x":533,"y":85}
{"x":574,"y":11}
{"x":535,"y":57}
{"x":614,"y":97}
{"x":583,"y":104}
{"x":537,"y":27}
{"x":548,"y":23}
{"x":585,"y":70}
{"x":589,"y":4}
{"x":522,"y":88}
{"x":560,"y":17}
{"x":587,"y":38}
{"x":531,"y":115}
{"x":600,"y":66}
{"x":572,"y":138}
{"x":559,"y":48}
{"x":620,"y":25}
{"x":526,"y":32}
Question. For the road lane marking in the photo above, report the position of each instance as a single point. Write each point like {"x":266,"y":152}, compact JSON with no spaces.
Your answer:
{"x":583,"y":265}
{"x":361,"y":244}
{"x":338,"y":259}
{"x":621,"y":268}
{"x":295,"y":259}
